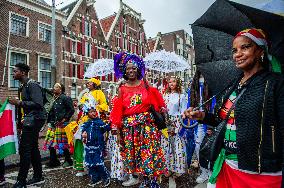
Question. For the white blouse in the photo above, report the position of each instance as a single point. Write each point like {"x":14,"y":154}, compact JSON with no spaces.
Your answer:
{"x":176,"y":103}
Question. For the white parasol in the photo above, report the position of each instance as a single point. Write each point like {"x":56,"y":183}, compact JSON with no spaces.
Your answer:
{"x":100,"y":67}
{"x":165,"y":62}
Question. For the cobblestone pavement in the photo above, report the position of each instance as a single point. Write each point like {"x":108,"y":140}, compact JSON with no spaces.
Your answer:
{"x":65,"y":178}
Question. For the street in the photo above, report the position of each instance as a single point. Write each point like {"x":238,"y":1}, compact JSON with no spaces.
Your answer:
{"x":65,"y":177}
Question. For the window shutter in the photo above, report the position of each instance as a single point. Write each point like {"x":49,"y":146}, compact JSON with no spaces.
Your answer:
{"x":79,"y":48}
{"x":70,"y":70}
{"x":121,"y":42}
{"x":81,"y":73}
{"x":93,"y":51}
{"x":83,"y":47}
{"x":93,"y":30}
{"x":103,"y":53}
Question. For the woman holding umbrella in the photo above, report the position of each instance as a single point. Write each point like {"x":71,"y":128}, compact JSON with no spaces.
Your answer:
{"x":131,"y":117}
{"x":252,"y":152}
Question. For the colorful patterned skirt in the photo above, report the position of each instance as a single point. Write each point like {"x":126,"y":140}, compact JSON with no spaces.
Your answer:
{"x":140,"y":148}
{"x":56,"y":137}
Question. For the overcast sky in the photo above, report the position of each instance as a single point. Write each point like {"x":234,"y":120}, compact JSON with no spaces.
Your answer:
{"x":161,"y":15}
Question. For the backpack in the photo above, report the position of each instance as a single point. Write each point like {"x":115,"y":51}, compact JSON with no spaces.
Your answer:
{"x":46,"y":94}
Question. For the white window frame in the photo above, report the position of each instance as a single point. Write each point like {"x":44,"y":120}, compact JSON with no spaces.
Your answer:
{"x":9,"y":71}
{"x":89,"y":28}
{"x":39,"y":22}
{"x":88,"y":49}
{"x":27,"y":24}
{"x":74,"y":51}
{"x":76,"y":91}
{"x":75,"y":70}
{"x":125,"y":43}
{"x":40,"y":70}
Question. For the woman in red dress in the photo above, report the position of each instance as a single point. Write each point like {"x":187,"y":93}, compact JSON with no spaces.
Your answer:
{"x":131,"y":118}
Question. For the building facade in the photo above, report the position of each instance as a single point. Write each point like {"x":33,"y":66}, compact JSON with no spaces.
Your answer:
{"x":81,"y":39}
{"x":179,"y":42}
{"x":26,"y":38}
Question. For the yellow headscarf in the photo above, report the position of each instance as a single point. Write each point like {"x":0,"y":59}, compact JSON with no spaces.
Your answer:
{"x":95,"y":81}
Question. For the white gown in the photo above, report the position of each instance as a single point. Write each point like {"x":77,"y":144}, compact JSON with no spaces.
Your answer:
{"x":174,"y":147}
{"x":116,"y":171}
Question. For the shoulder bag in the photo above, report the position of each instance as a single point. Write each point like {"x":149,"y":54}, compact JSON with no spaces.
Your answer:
{"x":211,"y":148}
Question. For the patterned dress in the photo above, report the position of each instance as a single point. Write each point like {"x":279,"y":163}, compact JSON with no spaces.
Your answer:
{"x":175,"y":146}
{"x":140,"y":139}
{"x":117,"y":171}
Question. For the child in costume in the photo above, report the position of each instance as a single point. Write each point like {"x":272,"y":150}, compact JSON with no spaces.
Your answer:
{"x":93,"y":138}
{"x":95,"y":93}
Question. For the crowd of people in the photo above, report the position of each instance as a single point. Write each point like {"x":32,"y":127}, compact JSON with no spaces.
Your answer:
{"x":250,"y":111}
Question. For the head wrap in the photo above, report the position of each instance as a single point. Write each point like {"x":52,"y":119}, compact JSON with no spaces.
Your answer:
{"x":95,"y":81}
{"x":89,"y":104}
{"x":258,"y":36}
{"x":122,"y":59}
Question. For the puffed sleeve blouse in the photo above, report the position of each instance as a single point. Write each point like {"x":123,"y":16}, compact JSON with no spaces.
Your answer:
{"x":134,"y":100}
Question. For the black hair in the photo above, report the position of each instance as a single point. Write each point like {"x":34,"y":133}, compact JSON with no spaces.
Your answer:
{"x":23,"y":67}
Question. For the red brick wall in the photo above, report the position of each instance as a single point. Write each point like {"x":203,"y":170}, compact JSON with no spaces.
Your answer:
{"x":75,"y":26}
{"x":30,"y":43}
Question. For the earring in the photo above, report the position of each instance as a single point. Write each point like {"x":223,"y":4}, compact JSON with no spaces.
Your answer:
{"x":262,"y":56}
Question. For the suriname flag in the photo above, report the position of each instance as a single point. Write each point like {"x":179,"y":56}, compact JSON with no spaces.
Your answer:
{"x":8,"y":130}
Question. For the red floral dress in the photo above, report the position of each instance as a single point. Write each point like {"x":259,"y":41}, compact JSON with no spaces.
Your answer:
{"x":140,"y":144}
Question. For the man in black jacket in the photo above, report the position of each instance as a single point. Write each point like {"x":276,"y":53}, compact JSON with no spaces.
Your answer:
{"x":31,"y":101}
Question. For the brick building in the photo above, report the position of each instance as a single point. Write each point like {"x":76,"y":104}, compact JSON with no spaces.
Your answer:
{"x":179,"y":42}
{"x":25,"y":38}
{"x":84,"y":43}
{"x":88,"y":39}
{"x":125,"y":31}
{"x":81,"y":39}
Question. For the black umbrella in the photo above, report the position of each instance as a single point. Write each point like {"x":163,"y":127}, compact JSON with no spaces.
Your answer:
{"x":213,"y":33}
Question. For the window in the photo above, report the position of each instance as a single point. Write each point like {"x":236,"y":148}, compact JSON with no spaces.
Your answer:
{"x":74,"y":66}
{"x":74,"y":47}
{"x":87,"y":28}
{"x":45,"y":72}
{"x":125,"y":44}
{"x":88,"y":49}
{"x":19,"y":25}
{"x":117,"y":40}
{"x":44,"y":32}
{"x":99,"y":53}
{"x":16,"y":58}
{"x":178,"y":40}
{"x":73,"y":94}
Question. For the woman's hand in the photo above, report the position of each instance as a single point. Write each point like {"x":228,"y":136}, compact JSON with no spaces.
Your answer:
{"x":113,"y":131}
{"x":84,"y":137}
{"x":193,"y":114}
